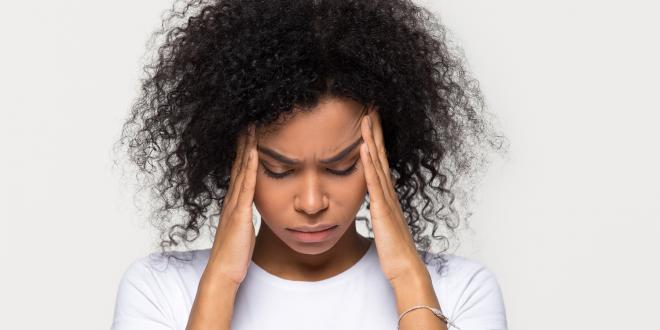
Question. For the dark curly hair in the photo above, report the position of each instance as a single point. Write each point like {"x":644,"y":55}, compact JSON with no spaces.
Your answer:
{"x":224,"y":64}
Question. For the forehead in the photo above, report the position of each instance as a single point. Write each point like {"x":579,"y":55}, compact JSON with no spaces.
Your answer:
{"x":332,"y":124}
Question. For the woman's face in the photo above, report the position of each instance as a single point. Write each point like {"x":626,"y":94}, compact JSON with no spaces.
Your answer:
{"x":310,"y":176}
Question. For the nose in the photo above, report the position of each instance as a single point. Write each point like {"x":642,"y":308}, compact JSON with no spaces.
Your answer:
{"x":311,"y":199}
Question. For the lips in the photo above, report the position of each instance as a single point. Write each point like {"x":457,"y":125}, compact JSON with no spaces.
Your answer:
{"x":312,"y":229}
{"x":316,"y":234}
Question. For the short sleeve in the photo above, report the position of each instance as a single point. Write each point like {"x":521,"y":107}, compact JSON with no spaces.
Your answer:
{"x":480,"y":305}
{"x":140,"y":302}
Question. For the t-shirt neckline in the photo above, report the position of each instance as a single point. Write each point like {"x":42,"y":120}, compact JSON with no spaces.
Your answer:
{"x":258,"y":273}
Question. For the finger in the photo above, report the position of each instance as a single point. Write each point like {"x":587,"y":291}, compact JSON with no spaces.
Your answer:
{"x":240,"y":146}
{"x":236,"y":165}
{"x":377,"y":131}
{"x":373,"y":183}
{"x":381,"y":154}
{"x":241,"y":170}
{"x":246,"y":196}
{"x":369,"y":139}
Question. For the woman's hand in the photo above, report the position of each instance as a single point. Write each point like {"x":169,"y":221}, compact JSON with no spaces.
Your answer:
{"x":396,"y":249}
{"x":235,"y":237}
{"x":233,"y":245}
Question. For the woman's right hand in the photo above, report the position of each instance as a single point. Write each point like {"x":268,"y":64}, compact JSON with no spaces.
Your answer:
{"x":235,"y":236}
{"x":233,"y":244}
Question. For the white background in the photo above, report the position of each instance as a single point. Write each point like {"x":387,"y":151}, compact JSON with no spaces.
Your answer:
{"x":568,"y":221}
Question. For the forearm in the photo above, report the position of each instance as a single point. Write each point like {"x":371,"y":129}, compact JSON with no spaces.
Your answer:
{"x":416,"y":289}
{"x":214,"y":303}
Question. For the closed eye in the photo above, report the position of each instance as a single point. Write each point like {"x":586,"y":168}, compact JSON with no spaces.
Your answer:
{"x":346,"y":172}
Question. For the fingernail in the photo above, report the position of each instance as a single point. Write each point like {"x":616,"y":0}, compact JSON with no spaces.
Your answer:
{"x":369,"y":121}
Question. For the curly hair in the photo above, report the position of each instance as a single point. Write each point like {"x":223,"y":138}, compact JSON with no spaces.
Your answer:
{"x":230,"y":63}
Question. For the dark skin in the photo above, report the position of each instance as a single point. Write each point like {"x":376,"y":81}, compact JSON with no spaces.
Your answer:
{"x":311,"y":193}
{"x":309,"y":196}
{"x":300,"y":267}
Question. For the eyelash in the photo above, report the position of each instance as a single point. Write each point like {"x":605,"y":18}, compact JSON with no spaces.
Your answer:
{"x":338,"y":173}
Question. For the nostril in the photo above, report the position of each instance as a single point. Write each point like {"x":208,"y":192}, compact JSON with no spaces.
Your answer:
{"x":312,"y":205}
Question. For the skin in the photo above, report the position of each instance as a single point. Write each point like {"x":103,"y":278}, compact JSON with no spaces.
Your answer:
{"x":312,"y":197}
{"x":310,"y":194}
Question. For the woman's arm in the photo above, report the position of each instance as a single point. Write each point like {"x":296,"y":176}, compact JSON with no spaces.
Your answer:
{"x":233,"y":244}
{"x":397,"y":252}
{"x":416,"y":288}
{"x":214,"y":302}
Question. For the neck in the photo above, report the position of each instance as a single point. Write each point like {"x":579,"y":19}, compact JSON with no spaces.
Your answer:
{"x":277,"y":258}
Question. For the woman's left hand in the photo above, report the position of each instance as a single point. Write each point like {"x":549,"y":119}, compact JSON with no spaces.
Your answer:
{"x":396,"y":249}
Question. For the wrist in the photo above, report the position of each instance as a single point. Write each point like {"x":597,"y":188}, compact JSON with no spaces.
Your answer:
{"x":214,"y":302}
{"x":414,"y":288}
{"x":215,"y":280}
{"x":416,"y":277}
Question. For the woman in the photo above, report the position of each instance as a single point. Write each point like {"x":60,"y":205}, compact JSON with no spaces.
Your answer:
{"x":309,"y":110}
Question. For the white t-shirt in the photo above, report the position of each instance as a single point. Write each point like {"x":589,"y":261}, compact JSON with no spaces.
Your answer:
{"x":155,"y":295}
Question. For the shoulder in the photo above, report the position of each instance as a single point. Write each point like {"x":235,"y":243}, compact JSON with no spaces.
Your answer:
{"x":468,"y":291}
{"x":155,"y":285}
{"x":455,"y":268}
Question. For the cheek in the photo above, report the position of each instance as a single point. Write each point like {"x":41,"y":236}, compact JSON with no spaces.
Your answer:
{"x":359,"y":180}
{"x":353,"y":188}
{"x":348,"y":194}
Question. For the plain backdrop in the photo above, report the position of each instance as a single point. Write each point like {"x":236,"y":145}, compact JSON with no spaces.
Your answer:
{"x":568,"y":220}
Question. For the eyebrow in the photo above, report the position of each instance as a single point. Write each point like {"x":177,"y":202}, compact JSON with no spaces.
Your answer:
{"x":286,"y":160}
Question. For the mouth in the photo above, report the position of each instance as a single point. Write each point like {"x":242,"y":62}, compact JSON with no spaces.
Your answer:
{"x":312,"y":229}
{"x":312,"y":234}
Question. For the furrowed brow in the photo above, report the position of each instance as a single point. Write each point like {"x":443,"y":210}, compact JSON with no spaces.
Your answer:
{"x":277,"y":156}
{"x":289,"y":161}
{"x":342,"y":153}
